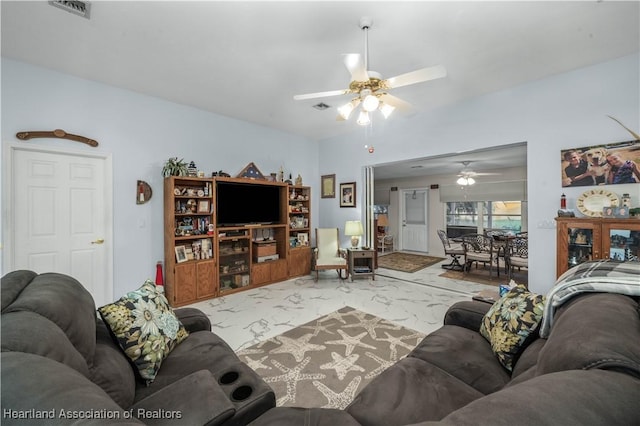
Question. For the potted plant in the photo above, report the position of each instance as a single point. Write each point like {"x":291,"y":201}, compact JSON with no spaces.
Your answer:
{"x":174,"y":167}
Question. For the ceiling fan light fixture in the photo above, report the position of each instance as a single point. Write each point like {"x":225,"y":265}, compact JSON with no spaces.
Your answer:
{"x":363,"y":118}
{"x":370,"y":103}
{"x":465,"y":181}
{"x":369,"y":86}
{"x":346,"y":110}
{"x":386,"y":109}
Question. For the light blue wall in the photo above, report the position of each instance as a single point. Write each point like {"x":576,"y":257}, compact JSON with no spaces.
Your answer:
{"x":560,"y":112}
{"x":564,"y":111}
{"x":141,"y":132}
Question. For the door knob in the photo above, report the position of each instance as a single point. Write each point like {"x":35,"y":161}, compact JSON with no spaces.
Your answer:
{"x":98,"y":241}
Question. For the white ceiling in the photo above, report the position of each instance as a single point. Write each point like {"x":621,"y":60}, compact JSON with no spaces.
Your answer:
{"x":246,"y":60}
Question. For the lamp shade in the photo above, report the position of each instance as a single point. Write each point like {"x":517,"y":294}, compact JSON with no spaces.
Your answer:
{"x":386,"y":109}
{"x":353,"y":227}
{"x":363,"y":118}
{"x":383,"y":220}
{"x":346,"y":109}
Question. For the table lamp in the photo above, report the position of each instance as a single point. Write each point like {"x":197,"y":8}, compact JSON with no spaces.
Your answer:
{"x":353,"y":228}
{"x":383,"y":220}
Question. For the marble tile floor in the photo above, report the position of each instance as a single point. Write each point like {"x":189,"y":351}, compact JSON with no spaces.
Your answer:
{"x":415,"y":300}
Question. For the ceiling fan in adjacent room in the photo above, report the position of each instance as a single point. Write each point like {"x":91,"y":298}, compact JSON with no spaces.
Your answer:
{"x":370,"y":88}
{"x":466,"y":175}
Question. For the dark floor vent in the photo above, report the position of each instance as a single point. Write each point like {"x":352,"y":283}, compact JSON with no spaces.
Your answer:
{"x":80,"y":8}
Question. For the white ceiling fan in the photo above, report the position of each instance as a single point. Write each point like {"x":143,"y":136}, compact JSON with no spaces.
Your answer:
{"x":370,"y":88}
{"x":466,"y":175}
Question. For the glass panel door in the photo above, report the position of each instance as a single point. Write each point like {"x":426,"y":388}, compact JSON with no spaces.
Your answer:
{"x":580,"y":246}
{"x":622,"y":241}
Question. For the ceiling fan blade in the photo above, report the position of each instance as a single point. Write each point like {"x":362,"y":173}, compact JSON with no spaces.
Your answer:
{"x":418,"y":76}
{"x":396,"y":102}
{"x":321,"y":94}
{"x":470,"y":173}
{"x":355,"y":64}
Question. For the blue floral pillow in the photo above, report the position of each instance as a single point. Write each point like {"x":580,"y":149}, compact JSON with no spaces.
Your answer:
{"x":145,"y":327}
{"x":510,"y":321}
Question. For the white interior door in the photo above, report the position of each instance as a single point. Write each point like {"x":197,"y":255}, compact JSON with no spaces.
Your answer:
{"x":414,"y":230}
{"x":60,"y":220}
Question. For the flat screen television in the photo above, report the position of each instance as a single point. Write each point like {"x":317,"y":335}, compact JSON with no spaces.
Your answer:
{"x":240,"y":204}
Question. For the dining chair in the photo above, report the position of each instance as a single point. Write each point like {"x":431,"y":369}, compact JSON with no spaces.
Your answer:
{"x":453,"y":249}
{"x":327,"y":254}
{"x":517,"y":254}
{"x":385,"y":241}
{"x":479,"y":248}
{"x":500,"y":245}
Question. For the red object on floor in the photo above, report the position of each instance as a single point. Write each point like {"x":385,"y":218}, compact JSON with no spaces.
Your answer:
{"x":159,"y":279}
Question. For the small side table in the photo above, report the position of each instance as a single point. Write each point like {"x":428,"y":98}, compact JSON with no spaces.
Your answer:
{"x":361,"y":263}
{"x":487,"y":296}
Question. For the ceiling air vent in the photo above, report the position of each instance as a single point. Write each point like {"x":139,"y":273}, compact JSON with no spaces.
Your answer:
{"x":80,"y":8}
{"x":321,"y":106}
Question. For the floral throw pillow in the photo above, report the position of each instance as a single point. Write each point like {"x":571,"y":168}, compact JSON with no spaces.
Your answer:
{"x":145,"y":327}
{"x":510,"y":321}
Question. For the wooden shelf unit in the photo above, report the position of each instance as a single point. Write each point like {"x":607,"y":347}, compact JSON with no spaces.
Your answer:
{"x":299,"y":218}
{"x":233,"y":261}
{"x":583,"y":239}
{"x":186,"y":226}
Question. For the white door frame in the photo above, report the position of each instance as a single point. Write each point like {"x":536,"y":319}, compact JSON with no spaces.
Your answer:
{"x":8,"y":198}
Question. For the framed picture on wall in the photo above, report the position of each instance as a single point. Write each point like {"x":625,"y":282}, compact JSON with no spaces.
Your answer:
{"x":328,"y":185}
{"x":348,"y":194}
{"x":607,"y":164}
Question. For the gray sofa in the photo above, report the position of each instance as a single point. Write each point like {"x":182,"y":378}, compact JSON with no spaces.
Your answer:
{"x":586,"y":372}
{"x":60,"y":365}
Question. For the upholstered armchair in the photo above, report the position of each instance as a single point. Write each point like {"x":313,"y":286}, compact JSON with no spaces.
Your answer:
{"x":327,"y":254}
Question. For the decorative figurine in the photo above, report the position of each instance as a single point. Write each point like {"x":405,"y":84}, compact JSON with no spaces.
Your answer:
{"x":192,"y":170}
{"x":626,"y":200}
{"x":299,"y":180}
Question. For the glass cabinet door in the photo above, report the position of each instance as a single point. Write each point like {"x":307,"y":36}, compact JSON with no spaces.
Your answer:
{"x":580,"y":246}
{"x":621,"y":241}
{"x":234,"y":265}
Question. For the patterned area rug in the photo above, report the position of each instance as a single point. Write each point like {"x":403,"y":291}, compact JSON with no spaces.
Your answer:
{"x":481,"y":276}
{"x":325,"y":362}
{"x":406,"y":262}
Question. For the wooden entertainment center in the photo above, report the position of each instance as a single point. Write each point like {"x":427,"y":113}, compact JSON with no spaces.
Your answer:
{"x":206,"y":257}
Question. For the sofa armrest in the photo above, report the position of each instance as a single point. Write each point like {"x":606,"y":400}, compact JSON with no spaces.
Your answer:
{"x":196,"y":399}
{"x":193,"y":319}
{"x":467,"y":314}
{"x":571,"y":397}
{"x":33,"y":383}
